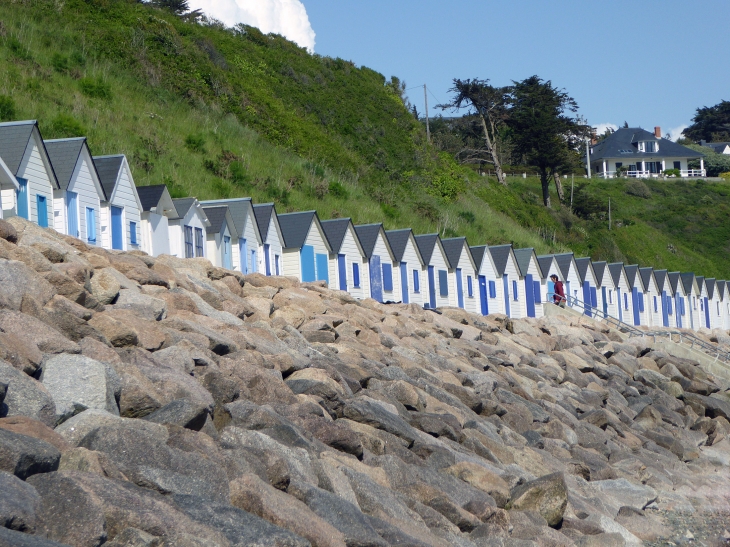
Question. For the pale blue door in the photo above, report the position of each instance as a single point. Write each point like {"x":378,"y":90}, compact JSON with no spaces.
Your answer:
{"x":308,"y":271}
{"x":459,"y":289}
{"x":243,"y":251}
{"x":267,"y":259}
{"x":118,"y":229}
{"x":42,"y":208}
{"x":404,"y":282}
{"x":91,"y":225}
{"x":505,"y":284}
{"x":22,"y":197}
{"x":227,"y":252}
{"x":323,"y":273}
{"x":72,"y":213}
{"x":254,"y":262}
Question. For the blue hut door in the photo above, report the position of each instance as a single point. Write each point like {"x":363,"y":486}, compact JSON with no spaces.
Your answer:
{"x":618,"y":305}
{"x":605,"y":301}
{"x":376,"y":278}
{"x":594,"y":298}
{"x":227,"y":252}
{"x":587,"y":298}
{"x":483,"y":294}
{"x":530,"y":295}
{"x":635,"y":301}
{"x":678,"y":309}
{"x":42,"y":208}
{"x":665,"y":310}
{"x":404,"y":282}
{"x":243,"y":251}
{"x":432,"y":287}
{"x":505,"y":285}
{"x":707,"y":314}
{"x":459,"y":289}
{"x":323,"y":273}
{"x":568,"y":294}
{"x":308,"y":263}
{"x":117,"y":229}
{"x":342,"y":270}
{"x":22,"y":197}
{"x":267,"y":258}
{"x":72,"y":212}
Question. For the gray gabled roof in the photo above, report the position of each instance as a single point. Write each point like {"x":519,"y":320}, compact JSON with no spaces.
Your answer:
{"x":263,"y":212}
{"x":64,"y":155}
{"x":150,"y":196}
{"x":599,"y":268}
{"x":631,"y":271}
{"x":238,"y":208}
{"x":660,"y":276}
{"x":564,"y":260}
{"x":645,"y":274}
{"x":545,"y":261}
{"x":295,"y":228}
{"x":453,"y":247}
{"x":581,"y":266}
{"x":700,"y":282}
{"x":523,"y":257}
{"x":14,"y":137}
{"x":622,"y":144}
{"x":673,"y":278}
{"x":721,"y":289}
{"x":718,"y":147}
{"x":615,"y":270}
{"x":477,"y":254}
{"x":398,"y":241}
{"x":335,"y":230}
{"x":710,"y":284}
{"x":217,"y":217}
{"x":183,"y":205}
{"x":687,"y":281}
{"x":368,"y":236}
{"x":500,"y":256}
{"x":426,"y":244}
{"x":108,"y":168}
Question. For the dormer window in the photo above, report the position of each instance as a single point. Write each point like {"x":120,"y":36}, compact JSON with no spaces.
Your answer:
{"x":648,"y":146}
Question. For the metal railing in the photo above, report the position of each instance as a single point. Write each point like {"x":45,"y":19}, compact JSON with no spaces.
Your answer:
{"x":679,"y":337}
{"x":684,"y":173}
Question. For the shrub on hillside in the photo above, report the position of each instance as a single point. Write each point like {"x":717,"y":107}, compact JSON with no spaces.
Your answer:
{"x":338,"y":190}
{"x":7,"y":108}
{"x":96,"y":88}
{"x":638,"y":188}
{"x":64,"y":126}
{"x":195,"y":143}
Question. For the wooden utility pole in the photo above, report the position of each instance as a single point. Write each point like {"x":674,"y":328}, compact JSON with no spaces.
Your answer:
{"x":572,"y":184}
{"x":609,"y":213}
{"x":425,"y":100}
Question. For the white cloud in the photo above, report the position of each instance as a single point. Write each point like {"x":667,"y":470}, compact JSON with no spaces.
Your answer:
{"x":601,"y":128}
{"x":676,"y":132}
{"x":286,"y":17}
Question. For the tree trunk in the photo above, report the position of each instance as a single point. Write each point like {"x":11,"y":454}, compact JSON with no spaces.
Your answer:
{"x":559,"y":187}
{"x":545,"y":187}
{"x":493,"y":152}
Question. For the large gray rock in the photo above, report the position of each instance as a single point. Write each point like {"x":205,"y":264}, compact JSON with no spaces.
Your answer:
{"x":622,"y":493}
{"x":34,"y":331}
{"x":76,"y":428}
{"x":143,"y":305}
{"x":369,"y":412}
{"x":25,"y":396}
{"x":11,"y":538}
{"x":547,"y":495}
{"x":105,"y":285}
{"x":24,"y":456}
{"x":19,"y":504}
{"x":79,"y":382}
{"x":239,"y":527}
{"x":18,"y":280}
{"x":181,"y":412}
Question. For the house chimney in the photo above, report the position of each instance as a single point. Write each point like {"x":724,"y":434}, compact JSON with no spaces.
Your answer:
{"x":594,"y":140}
{"x":658,"y":132}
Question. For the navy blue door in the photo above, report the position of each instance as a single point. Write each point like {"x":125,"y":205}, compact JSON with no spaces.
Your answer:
{"x":342,"y":268}
{"x":483,"y":294}
{"x":530,"y":295}
{"x":707,"y":314}
{"x":432,"y":287}
{"x":376,"y":278}
{"x":665,"y":310}
{"x":587,"y":298}
{"x":505,"y":284}
{"x":404,"y":283}
{"x":117,"y":229}
{"x":678,"y":310}
{"x":605,"y":301}
{"x":594,"y":297}
{"x":459,"y":289}
{"x":635,"y":299}
{"x":619,"y":305}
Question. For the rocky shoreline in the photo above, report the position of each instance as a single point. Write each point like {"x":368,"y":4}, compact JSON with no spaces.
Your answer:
{"x":165,"y":402}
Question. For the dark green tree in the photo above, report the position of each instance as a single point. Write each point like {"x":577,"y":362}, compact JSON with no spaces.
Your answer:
{"x":711,"y":123}
{"x":178,"y":7}
{"x":490,"y":105}
{"x":544,"y":131}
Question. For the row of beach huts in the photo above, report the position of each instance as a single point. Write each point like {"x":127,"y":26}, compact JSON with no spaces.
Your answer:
{"x":59,"y":184}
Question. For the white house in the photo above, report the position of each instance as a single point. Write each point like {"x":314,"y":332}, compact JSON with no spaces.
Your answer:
{"x":635,"y":152}
{"x":513,"y":301}
{"x":77,"y":201}
{"x":220,"y":237}
{"x":384,"y":270}
{"x":464,"y":273}
{"x":306,"y":250}
{"x":157,"y":211}
{"x":490,"y":292}
{"x":247,"y":246}
{"x":188,"y":229}
{"x":272,"y":240}
{"x":679,"y":297}
{"x":9,"y":185}
{"x":652,"y":314}
{"x":717,"y":147}
{"x":549,"y":267}
{"x":349,"y":267}
{"x":589,"y":285}
{"x":436,"y":269}
{"x":25,"y":156}
{"x":531,"y":277}
{"x":406,"y":253}
{"x":121,"y":213}
{"x":571,"y":280}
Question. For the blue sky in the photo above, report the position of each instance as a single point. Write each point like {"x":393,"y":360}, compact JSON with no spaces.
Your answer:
{"x":648,"y":63}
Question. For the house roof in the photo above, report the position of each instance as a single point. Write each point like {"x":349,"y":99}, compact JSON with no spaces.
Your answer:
{"x":108,"y":168}
{"x":500,"y":256}
{"x":217,"y":217}
{"x":453,"y":247}
{"x":631,"y":271}
{"x":645,"y":274}
{"x":721,"y":289}
{"x":426,"y":244}
{"x":295,"y":228}
{"x":581,"y":265}
{"x":673,"y":278}
{"x":398,"y":241}
{"x":263,"y":212}
{"x":523,"y":257}
{"x":335,"y":230}
{"x":718,"y":147}
{"x":599,"y":268}
{"x":14,"y":137}
{"x":661,"y":278}
{"x":687,"y":280}
{"x":477,"y":253}
{"x":149,"y":196}
{"x":710,"y":283}
{"x":238,"y":207}
{"x":183,"y":205}
{"x":64,"y":155}
{"x":545,"y":262}
{"x":615,"y":270}
{"x":700,"y":282}
{"x":368,"y":236}
{"x":622,"y":144}
{"x":564,"y":261}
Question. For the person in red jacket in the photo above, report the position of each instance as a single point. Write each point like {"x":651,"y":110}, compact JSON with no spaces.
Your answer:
{"x":558,"y":291}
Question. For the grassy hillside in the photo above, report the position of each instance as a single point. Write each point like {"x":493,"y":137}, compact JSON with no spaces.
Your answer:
{"x":215,"y":113}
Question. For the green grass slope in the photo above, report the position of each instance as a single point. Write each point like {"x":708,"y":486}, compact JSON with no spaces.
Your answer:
{"x":214,"y":113}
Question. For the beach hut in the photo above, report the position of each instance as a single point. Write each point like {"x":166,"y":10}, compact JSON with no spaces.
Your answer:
{"x":507,"y":269}
{"x":306,"y":250}
{"x":665,"y":297}
{"x":349,"y":268}
{"x":463,"y":272}
{"x":531,"y":277}
{"x":571,"y":279}
{"x":691,"y":284}
{"x":652,"y":314}
{"x":188,"y":230}
{"x":624,"y":299}
{"x":121,"y":213}
{"x":272,"y":240}
{"x":589,"y":285}
{"x":548,"y":267}
{"x":157,"y":210}
{"x":26,"y":162}
{"x":678,"y":296}
{"x":408,"y":257}
{"x":490,"y":292}
{"x":77,"y":201}
{"x":714,"y":302}
{"x":604,"y":283}
{"x":248,"y":242}
{"x":220,"y":237}
{"x":384,"y":270}
{"x":436,"y":268}
{"x":636,"y":291}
